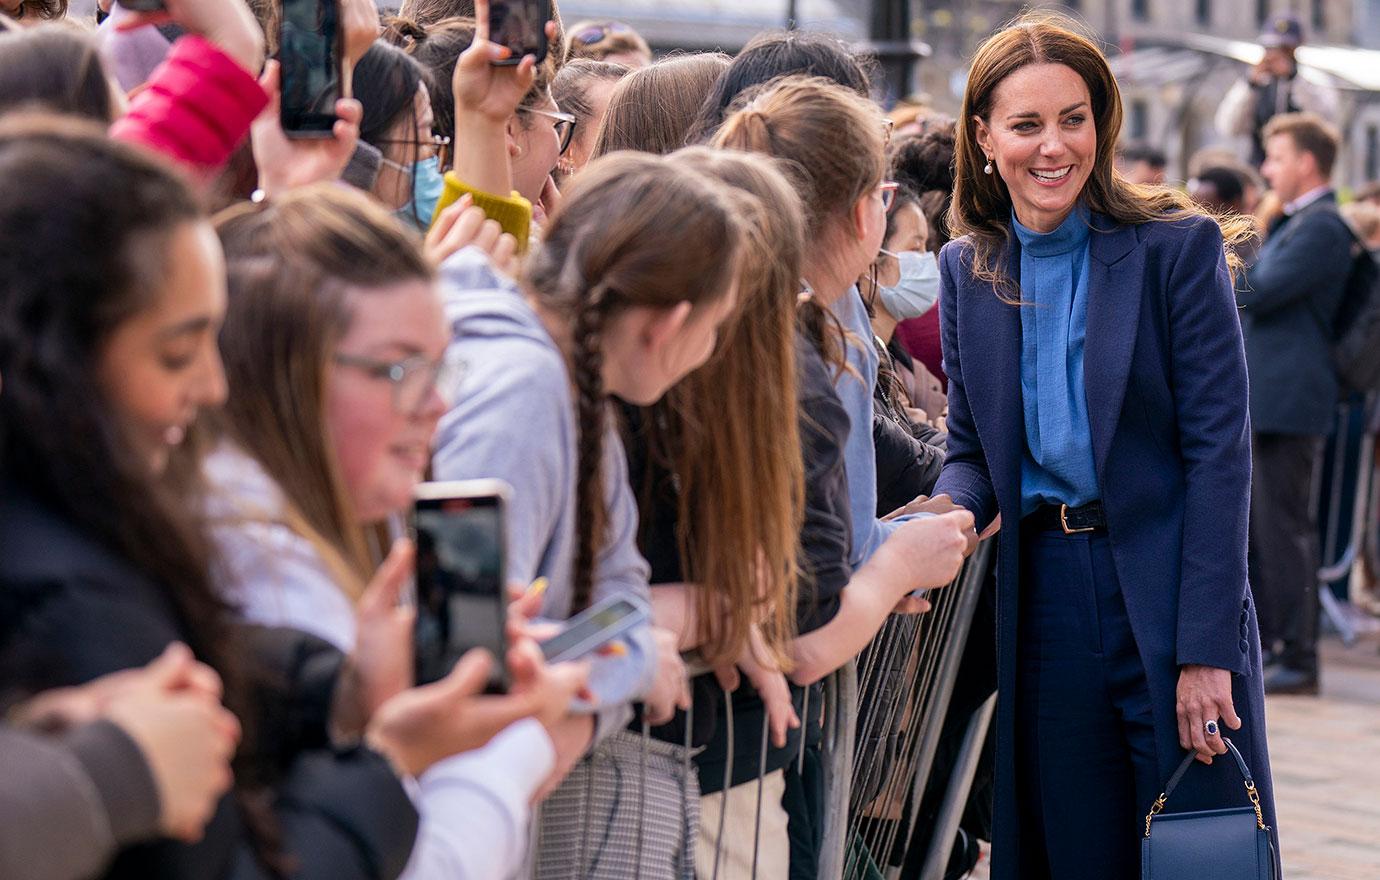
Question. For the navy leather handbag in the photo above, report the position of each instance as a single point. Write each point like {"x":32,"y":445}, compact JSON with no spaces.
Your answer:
{"x":1229,"y":844}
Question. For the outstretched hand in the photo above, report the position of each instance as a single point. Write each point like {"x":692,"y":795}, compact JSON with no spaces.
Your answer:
{"x":285,"y":163}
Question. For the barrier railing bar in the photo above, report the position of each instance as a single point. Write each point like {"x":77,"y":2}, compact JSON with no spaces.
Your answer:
{"x":761,"y":781}
{"x":956,"y":796}
{"x":840,"y":703}
{"x":976,"y":574}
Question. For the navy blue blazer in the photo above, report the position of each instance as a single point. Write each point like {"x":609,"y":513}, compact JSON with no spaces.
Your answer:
{"x":1166,"y":386}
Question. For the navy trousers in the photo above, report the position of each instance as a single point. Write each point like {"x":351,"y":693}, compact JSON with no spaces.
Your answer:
{"x":1085,"y":760}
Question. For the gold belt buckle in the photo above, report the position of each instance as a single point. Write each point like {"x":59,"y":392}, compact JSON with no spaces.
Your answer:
{"x":1064,"y":522}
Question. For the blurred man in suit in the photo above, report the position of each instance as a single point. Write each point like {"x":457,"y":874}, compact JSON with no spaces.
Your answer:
{"x":1289,"y":305}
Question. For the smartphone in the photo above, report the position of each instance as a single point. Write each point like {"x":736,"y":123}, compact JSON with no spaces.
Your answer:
{"x":310,"y":54}
{"x":593,"y":628}
{"x":141,"y":5}
{"x":459,"y":529}
{"x":521,"y":26}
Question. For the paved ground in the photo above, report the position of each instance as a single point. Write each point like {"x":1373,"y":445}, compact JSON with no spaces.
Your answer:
{"x":1325,"y":753}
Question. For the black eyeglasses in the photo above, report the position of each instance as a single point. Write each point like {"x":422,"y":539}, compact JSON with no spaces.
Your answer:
{"x":564,"y":124}
{"x":413,"y":378}
{"x":594,"y":33}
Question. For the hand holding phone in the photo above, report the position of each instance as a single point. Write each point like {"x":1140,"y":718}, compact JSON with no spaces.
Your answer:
{"x":227,"y":23}
{"x":311,"y":55}
{"x":461,"y":577}
{"x":593,"y":628}
{"x":520,"y":27}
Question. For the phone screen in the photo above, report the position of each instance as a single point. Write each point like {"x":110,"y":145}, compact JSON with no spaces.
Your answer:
{"x":309,"y":53}
{"x":592,"y":629}
{"x":460,"y":584}
{"x":521,"y":26}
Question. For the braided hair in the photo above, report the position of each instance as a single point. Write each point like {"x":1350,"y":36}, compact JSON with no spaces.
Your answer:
{"x":634,"y":231}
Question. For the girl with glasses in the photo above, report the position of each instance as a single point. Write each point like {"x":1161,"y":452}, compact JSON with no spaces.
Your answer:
{"x":335,"y":342}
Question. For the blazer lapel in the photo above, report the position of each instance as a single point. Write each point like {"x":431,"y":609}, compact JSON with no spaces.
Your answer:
{"x":1115,"y":278}
{"x":992,"y":329}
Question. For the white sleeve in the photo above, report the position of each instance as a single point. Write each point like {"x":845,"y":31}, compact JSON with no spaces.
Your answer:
{"x":475,"y":807}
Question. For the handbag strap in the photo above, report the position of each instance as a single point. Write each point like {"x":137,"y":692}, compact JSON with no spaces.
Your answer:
{"x":1183,"y":768}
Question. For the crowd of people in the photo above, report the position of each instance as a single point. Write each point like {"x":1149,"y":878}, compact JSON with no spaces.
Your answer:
{"x":703,"y":317}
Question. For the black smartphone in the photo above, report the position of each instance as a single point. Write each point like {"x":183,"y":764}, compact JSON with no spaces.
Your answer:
{"x":310,"y":55}
{"x":593,"y":628}
{"x":459,"y":529}
{"x":521,"y":26}
{"x":141,"y":5}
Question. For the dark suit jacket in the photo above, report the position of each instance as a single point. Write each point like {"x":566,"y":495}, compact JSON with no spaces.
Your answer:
{"x":1165,"y":379}
{"x":1289,"y":300}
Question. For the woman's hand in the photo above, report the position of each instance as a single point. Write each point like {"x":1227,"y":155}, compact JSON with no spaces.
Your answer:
{"x":285,"y":163}
{"x":227,"y":23}
{"x":771,"y":686}
{"x":482,"y":88}
{"x":670,"y":689}
{"x":1204,"y":694}
{"x":924,"y":553}
{"x":461,"y":225}
{"x":171,"y":710}
{"x":381,"y":665}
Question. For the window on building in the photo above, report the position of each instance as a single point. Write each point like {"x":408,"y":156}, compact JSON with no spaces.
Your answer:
{"x":1203,"y":12}
{"x":1140,"y":119}
{"x":1262,"y":12}
{"x":1140,"y":10}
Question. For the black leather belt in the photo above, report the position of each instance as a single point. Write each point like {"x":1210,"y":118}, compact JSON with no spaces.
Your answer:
{"x":1069,"y":520}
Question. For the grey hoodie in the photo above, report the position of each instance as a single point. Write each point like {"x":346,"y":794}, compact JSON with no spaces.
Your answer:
{"x":516,"y":421}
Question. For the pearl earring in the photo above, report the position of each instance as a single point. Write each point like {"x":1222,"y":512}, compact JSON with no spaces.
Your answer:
{"x":987,"y":169}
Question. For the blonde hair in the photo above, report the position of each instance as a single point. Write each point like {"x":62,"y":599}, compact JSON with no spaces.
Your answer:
{"x":982,"y":207}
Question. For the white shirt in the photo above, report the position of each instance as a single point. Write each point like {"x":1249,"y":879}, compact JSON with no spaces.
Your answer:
{"x":474,"y":807}
{"x":1306,"y":199}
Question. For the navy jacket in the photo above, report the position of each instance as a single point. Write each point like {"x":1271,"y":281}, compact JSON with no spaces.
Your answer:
{"x":1289,"y":301}
{"x":1166,"y":389}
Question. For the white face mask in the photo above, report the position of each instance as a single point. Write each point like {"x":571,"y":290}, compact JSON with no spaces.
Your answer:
{"x":918,"y":288}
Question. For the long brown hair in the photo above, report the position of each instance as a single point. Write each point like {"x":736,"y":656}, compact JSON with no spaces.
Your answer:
{"x":729,"y":431}
{"x":833,"y":142}
{"x":294,"y":266}
{"x":55,"y":67}
{"x":633,"y":231}
{"x":651,"y":109}
{"x":982,"y":204}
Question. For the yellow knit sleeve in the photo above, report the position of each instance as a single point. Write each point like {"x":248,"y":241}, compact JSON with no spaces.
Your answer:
{"x":513,"y":213}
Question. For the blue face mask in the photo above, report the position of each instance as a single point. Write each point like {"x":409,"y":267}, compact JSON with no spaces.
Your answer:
{"x":427,"y":186}
{"x":918,"y":288}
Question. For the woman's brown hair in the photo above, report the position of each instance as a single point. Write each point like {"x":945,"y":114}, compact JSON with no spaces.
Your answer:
{"x":633,"y":231}
{"x":982,"y":204}
{"x":54,"y":67}
{"x":294,"y":266}
{"x":652,"y":109}
{"x":728,"y":432}
{"x":833,"y":141}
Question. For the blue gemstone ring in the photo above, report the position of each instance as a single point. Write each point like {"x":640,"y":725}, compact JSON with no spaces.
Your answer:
{"x":1211,"y":728}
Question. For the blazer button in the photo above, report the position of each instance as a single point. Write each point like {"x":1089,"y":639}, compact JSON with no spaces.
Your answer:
{"x":1245,"y":646}
{"x":1245,"y":604}
{"x":1244,"y":618}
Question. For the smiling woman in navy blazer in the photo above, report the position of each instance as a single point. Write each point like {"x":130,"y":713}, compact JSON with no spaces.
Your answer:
{"x":1097,"y":404}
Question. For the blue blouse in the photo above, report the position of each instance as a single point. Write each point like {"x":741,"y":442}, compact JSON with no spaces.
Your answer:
{"x":1058,"y":463}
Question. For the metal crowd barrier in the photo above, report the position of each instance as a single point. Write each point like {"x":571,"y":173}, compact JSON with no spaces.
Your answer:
{"x":926,"y":651}
{"x":1360,"y":496}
